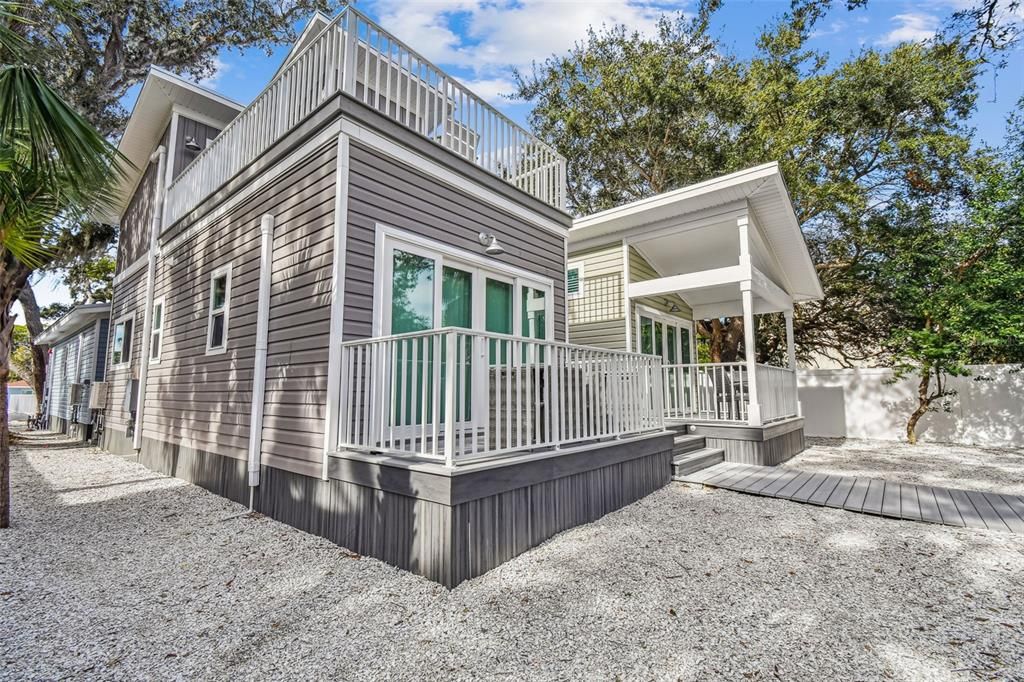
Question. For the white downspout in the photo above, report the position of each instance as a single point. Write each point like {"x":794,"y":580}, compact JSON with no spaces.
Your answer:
{"x":155,"y":225}
{"x":259,"y":372}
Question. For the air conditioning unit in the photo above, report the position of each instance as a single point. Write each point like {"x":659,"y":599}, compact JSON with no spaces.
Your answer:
{"x":98,"y":396}
{"x":75,"y":393}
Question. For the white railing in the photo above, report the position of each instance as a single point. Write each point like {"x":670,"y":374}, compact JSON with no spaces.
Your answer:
{"x":720,"y":392}
{"x":706,"y":392}
{"x":356,"y":56}
{"x":455,"y":395}
{"x":776,"y":393}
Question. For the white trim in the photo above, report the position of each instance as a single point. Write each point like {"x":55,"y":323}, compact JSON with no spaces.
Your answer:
{"x":132,"y":269}
{"x":337,"y":330}
{"x":662,"y":286}
{"x":166,"y":75}
{"x":627,"y":301}
{"x":161,"y":302}
{"x":194,"y":115}
{"x":259,"y":370}
{"x":388,"y":238}
{"x":222,"y":271}
{"x":580,"y":267}
{"x":125,"y":361}
{"x":449,"y":177}
{"x":280,"y":167}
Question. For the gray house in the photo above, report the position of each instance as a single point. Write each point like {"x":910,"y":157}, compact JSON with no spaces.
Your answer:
{"x":77,"y":364}
{"x":345,"y":304}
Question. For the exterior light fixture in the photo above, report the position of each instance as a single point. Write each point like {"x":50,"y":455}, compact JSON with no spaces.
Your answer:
{"x":192,"y":145}
{"x":490,"y":242}
{"x":674,"y":308}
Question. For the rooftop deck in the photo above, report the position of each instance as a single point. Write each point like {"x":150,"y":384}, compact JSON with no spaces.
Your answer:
{"x":355,"y":56}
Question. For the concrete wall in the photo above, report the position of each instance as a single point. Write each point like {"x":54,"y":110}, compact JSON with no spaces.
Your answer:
{"x":862,"y":403}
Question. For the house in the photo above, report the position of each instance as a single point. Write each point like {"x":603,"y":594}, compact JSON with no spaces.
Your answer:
{"x":639,"y":274}
{"x":345,"y":304}
{"x":77,"y":364}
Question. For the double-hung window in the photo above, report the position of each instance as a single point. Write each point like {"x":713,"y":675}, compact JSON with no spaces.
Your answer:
{"x":220,"y":302}
{"x":156,"y":336}
{"x":121,"y":354}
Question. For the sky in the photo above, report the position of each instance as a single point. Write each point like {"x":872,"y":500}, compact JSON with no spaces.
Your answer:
{"x":482,"y":41}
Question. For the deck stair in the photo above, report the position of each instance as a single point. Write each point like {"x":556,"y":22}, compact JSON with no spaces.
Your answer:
{"x":691,"y":454}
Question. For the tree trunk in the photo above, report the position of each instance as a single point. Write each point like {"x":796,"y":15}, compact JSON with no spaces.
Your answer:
{"x":13,"y":277}
{"x":924,"y":401}
{"x":34,"y":323}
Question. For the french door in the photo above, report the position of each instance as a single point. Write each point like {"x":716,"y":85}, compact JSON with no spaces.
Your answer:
{"x":426,"y":286}
{"x":668,"y":337}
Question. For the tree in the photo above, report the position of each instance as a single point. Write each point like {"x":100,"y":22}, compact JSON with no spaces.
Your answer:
{"x":636,"y":115}
{"x":957,"y":279}
{"x":93,"y":52}
{"x":54,"y":168}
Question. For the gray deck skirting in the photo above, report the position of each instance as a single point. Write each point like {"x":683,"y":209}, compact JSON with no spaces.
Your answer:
{"x":768,"y":445}
{"x":446,"y":526}
{"x":930,"y":504}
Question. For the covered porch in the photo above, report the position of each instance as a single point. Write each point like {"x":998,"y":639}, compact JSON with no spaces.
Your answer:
{"x":728,"y":247}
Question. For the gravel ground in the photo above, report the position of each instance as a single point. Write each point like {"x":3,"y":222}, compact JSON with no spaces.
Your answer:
{"x":114,"y":572}
{"x":951,"y":466}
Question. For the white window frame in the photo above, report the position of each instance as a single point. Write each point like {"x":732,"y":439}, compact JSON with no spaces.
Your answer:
{"x":580,"y":267}
{"x":153,"y":331}
{"x":125,"y":361}
{"x":670,"y":320}
{"x":388,"y":239}
{"x":222,"y":271}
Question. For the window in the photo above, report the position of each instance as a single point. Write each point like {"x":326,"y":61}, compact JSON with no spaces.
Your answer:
{"x":156,"y":336}
{"x":220,"y":301}
{"x":664,"y":335}
{"x":574,"y":281}
{"x":122,"y":348}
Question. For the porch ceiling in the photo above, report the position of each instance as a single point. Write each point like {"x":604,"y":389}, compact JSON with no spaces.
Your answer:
{"x":693,"y":229}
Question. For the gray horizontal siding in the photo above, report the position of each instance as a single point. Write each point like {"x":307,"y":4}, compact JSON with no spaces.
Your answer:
{"x":203,"y":401}
{"x":129,"y":297}
{"x":74,"y":362}
{"x":382,"y":190}
{"x":200,"y":132}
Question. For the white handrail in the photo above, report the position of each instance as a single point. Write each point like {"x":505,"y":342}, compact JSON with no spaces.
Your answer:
{"x":356,"y":56}
{"x":717,"y":392}
{"x":456,"y":395}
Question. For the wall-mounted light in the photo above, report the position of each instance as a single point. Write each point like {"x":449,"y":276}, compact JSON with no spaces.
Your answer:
{"x":674,"y":308}
{"x":490,"y":242}
{"x":191,"y":144}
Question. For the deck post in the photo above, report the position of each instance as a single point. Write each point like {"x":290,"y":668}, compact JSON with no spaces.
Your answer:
{"x":749,"y":340}
{"x":791,"y":356}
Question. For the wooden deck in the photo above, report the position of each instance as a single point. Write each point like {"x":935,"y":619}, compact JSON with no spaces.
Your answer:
{"x":951,"y":507}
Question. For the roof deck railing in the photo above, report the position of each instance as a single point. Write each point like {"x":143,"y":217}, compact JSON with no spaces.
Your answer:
{"x":356,"y":56}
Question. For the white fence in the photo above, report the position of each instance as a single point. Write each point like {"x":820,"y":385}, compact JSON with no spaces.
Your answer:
{"x":356,"y":56}
{"x":21,"y":405}
{"x":863,"y":403}
{"x":719,"y":392}
{"x":456,"y":395}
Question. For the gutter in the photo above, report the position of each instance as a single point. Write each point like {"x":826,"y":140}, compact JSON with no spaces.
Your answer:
{"x":259,"y":373}
{"x":155,"y":225}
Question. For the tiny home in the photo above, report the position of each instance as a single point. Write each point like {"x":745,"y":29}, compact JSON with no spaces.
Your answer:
{"x":77,"y":363}
{"x":345,"y":304}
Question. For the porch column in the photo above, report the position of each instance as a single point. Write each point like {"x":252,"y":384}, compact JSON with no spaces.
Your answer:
{"x":750,"y":351}
{"x":790,"y":347}
{"x":749,"y":340}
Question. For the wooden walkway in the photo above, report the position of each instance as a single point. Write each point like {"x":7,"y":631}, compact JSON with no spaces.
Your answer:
{"x":965,"y":508}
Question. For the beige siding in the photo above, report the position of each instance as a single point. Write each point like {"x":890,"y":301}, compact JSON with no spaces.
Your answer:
{"x":639,"y":271}
{"x":383,"y":191}
{"x":204,"y":401}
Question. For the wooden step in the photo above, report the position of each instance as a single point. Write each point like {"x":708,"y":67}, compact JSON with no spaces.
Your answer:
{"x":689,"y":443}
{"x":692,"y":462}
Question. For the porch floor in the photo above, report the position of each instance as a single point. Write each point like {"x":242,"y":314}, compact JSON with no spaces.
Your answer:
{"x":930,"y":504}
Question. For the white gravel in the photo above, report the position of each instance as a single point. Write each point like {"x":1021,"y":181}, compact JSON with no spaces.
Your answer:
{"x":990,"y":469}
{"x":114,"y":572}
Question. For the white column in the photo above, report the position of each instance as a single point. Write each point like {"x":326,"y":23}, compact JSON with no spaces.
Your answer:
{"x":790,"y":347}
{"x":749,"y":336}
{"x":626,"y":300}
{"x":750,"y":351}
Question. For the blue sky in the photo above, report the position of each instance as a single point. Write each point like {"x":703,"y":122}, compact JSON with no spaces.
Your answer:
{"x":481,"y":41}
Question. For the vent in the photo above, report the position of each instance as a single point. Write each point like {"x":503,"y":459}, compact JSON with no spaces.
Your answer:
{"x":574,"y":281}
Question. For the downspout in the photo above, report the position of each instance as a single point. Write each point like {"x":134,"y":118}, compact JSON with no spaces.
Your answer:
{"x":155,"y":225}
{"x":259,"y":371}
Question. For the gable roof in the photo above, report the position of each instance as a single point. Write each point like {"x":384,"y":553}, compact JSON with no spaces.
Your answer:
{"x":71,"y":322}
{"x":161,"y":91}
{"x":316,"y":24}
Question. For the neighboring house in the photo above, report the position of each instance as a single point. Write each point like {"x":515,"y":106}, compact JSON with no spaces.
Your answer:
{"x":346,"y":305}
{"x":21,"y":400}
{"x":638,"y":274}
{"x":77,"y":341}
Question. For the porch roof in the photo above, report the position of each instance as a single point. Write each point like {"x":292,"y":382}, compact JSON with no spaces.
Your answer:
{"x":706,"y":213}
{"x":72,"y":322}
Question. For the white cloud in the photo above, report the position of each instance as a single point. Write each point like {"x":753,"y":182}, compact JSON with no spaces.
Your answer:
{"x":220,"y":67}
{"x":491,"y":89}
{"x":487,"y":37}
{"x":912,"y":27}
{"x":833,"y":28}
